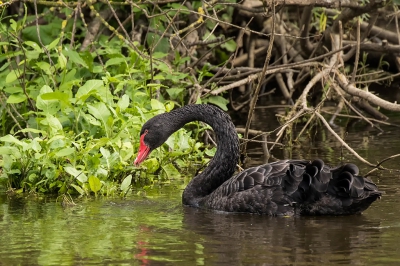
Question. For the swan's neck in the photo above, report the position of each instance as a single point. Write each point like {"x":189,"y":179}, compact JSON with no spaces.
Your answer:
{"x":223,"y":165}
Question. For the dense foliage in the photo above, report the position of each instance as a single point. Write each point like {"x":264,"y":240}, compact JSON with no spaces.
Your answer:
{"x":70,"y":119}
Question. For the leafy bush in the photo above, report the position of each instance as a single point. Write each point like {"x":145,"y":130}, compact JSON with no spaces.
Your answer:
{"x":71,"y":120}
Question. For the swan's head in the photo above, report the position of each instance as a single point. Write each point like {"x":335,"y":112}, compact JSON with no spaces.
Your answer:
{"x":153,"y":134}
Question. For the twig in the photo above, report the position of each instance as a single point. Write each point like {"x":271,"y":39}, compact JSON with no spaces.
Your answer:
{"x":353,"y":76}
{"x":282,"y":86}
{"x":338,"y":110}
{"x":260,"y":79}
{"x":365,"y":34}
{"x":391,"y":77}
{"x":338,"y":90}
{"x":340,"y":139}
{"x":371,"y":119}
{"x":380,"y":163}
{"x":283,"y":127}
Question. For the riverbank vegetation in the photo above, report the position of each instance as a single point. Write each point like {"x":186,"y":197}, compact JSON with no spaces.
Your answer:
{"x":79,"y":78}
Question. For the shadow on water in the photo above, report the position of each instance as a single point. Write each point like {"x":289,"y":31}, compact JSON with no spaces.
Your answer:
{"x":158,"y":230}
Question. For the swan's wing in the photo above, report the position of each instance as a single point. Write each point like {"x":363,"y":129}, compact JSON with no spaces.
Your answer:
{"x":262,"y":189}
{"x":279,"y":187}
{"x":282,"y":173}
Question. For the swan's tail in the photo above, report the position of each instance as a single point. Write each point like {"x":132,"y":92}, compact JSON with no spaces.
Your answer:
{"x":336,"y":191}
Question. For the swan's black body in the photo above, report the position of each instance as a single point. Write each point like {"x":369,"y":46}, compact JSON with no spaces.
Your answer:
{"x":288,"y":187}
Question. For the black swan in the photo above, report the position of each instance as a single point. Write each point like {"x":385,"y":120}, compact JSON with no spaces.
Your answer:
{"x":287,"y":187}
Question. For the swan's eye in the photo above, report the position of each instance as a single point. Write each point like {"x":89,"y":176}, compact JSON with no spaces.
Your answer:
{"x":142,"y":137}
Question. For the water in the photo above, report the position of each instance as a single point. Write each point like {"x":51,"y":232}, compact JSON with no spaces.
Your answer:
{"x":158,"y":230}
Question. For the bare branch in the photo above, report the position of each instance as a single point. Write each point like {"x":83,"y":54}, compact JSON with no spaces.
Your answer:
{"x":351,"y":89}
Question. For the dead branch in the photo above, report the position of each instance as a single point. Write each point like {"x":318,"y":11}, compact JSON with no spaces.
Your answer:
{"x":368,"y":96}
{"x":319,"y":3}
{"x":378,"y":165}
{"x":341,"y":140}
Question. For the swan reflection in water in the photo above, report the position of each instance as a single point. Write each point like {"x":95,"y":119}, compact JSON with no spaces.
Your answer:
{"x":263,"y":240}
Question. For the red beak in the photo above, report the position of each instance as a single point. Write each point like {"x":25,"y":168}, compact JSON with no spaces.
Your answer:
{"x":144,"y":151}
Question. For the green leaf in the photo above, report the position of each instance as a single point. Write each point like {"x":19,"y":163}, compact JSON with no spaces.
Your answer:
{"x":53,"y":122}
{"x":230,"y":46}
{"x":13,"y":24}
{"x":219,"y":101}
{"x":174,"y":92}
{"x":123,"y":103}
{"x":62,"y":61}
{"x":157,"y":105}
{"x":106,"y":153}
{"x":88,"y":58}
{"x":126,"y":151}
{"x":44,"y":66}
{"x":13,"y":90}
{"x":57,"y":95}
{"x":159,"y":55}
{"x":108,"y":158}
{"x":65,"y":152}
{"x":91,"y":119}
{"x":151,"y":164}
{"x":79,"y":189}
{"x":94,"y":183}
{"x":183,"y":140}
{"x":4,"y":66}
{"x":33,"y":130}
{"x":47,"y":106}
{"x":115,"y":61}
{"x":169,"y":106}
{"x":100,"y":112}
{"x":171,"y":171}
{"x":210,"y":152}
{"x":70,"y":76}
{"x":12,"y":76}
{"x":12,"y":139}
{"x":53,"y":44}
{"x":126,"y":183}
{"x":16,"y":98}
{"x":89,"y":88}
{"x":56,"y":142}
{"x":75,"y":57}
{"x":34,"y":145}
{"x":10,"y":151}
{"x":76,"y":173}
{"x":33,"y":45}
